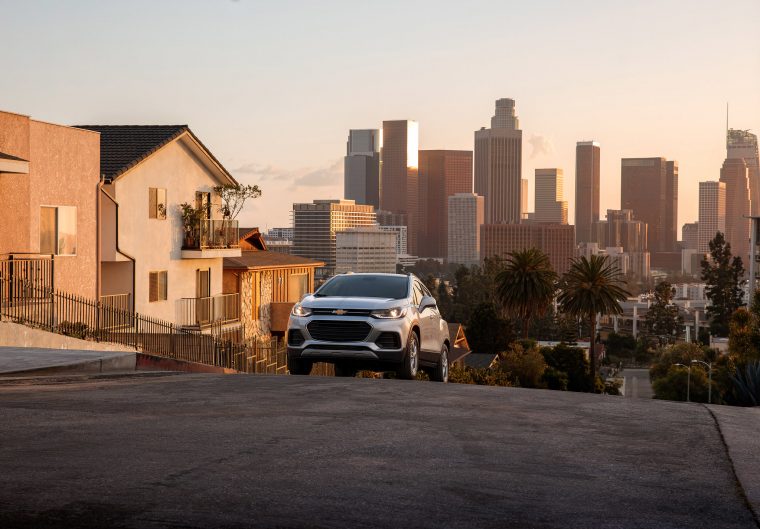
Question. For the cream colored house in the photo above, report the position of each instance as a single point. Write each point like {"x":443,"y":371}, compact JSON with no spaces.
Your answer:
{"x":166,"y":268}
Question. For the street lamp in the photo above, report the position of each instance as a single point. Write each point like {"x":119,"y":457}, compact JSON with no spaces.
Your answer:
{"x":709,"y":378}
{"x":688,"y":380}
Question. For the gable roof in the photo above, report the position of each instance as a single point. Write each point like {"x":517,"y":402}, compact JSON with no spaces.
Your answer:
{"x":254,"y":260}
{"x":250,"y":239}
{"x":124,"y":146}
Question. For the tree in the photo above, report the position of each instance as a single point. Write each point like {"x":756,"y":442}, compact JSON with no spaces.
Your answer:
{"x":487,"y":332}
{"x":526,"y":286}
{"x":722,"y":274}
{"x":572,"y":362}
{"x":234,"y":197}
{"x":663,"y":319}
{"x":590,"y":287}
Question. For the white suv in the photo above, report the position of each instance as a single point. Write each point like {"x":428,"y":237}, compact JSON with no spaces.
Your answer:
{"x":382,"y":322}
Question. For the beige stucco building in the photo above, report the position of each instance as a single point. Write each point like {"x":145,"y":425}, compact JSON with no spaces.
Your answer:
{"x":49,"y":178}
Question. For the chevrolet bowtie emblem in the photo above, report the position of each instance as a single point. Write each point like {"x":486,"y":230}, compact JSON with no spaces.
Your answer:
{"x":339,"y":312}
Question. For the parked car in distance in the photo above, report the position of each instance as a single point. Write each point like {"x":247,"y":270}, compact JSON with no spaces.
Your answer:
{"x":381,"y":322}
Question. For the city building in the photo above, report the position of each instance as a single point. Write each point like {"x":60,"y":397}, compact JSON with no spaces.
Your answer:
{"x":442,"y":173}
{"x":557,"y":241}
{"x":401,"y":239}
{"x":466,"y":215}
{"x":524,"y":199}
{"x":754,"y":257}
{"x":399,"y":178}
{"x":365,"y":249}
{"x":620,"y":229}
{"x":388,"y":218}
{"x":690,"y":235}
{"x":498,"y":165}
{"x":315,"y":225}
{"x":361,"y":167}
{"x":735,"y":174}
{"x":285,"y":234}
{"x":587,"y":178}
{"x":742,"y":144}
{"x":49,"y":178}
{"x":712,"y":213}
{"x":649,"y":187}
{"x":550,"y":206}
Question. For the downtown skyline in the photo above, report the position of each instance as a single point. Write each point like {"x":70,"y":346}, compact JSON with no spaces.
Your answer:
{"x":278,"y":110}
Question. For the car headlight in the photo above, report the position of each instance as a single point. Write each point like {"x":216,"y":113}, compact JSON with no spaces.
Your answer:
{"x":390,"y":314}
{"x":300,"y":310}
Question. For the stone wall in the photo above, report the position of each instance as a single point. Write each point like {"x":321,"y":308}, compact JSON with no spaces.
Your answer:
{"x":256,"y":327}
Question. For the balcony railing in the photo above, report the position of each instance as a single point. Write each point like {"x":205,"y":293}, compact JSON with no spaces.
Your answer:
{"x":203,"y":312}
{"x":213,"y":233}
{"x":117,"y":301}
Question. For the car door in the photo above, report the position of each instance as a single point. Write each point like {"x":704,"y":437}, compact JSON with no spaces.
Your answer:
{"x":434,"y":318}
{"x":428,"y":323}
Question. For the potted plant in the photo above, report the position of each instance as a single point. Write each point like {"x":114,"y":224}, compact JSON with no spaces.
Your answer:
{"x":191,"y":217}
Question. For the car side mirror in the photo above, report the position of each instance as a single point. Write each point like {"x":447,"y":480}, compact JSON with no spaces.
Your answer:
{"x":428,"y":302}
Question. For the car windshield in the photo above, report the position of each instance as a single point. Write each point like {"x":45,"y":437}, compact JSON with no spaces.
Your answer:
{"x":365,"y":286}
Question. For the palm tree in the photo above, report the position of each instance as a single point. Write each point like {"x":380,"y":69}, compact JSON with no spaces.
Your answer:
{"x":590,"y":287}
{"x":526,"y":286}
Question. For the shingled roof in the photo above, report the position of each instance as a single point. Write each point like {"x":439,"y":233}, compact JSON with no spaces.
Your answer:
{"x":265,"y":259}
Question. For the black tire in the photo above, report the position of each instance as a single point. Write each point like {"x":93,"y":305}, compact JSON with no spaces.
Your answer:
{"x":441,"y":371}
{"x":345,"y":370}
{"x":411,"y":362}
{"x":297,"y":366}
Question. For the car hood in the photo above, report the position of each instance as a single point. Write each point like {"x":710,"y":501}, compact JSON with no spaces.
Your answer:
{"x":337,"y":302}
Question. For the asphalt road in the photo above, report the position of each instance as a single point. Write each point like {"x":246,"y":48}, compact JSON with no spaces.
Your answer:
{"x":207,"y":451}
{"x":637,"y":384}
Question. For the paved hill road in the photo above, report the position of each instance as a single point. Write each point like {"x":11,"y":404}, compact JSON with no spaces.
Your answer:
{"x":307,"y":452}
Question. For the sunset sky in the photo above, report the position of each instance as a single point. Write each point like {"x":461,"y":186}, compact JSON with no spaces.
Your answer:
{"x":273,"y":87}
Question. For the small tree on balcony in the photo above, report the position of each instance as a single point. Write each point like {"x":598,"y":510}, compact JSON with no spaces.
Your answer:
{"x":234,"y":197}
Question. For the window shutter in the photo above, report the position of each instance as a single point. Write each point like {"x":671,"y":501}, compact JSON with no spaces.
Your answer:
{"x":152,"y":203}
{"x":153,"y":287}
{"x":163,"y":285}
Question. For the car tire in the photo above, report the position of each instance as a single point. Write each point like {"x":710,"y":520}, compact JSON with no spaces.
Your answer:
{"x":296,"y":366}
{"x":411,"y":361}
{"x":345,"y":370}
{"x":441,"y":371}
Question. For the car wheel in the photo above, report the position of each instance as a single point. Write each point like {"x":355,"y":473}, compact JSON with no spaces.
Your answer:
{"x":344,"y":370}
{"x":441,"y":372}
{"x":296,"y":366}
{"x":412,"y":357}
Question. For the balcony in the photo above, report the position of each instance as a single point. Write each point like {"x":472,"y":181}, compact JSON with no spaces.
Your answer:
{"x":201,"y":313}
{"x":211,"y":238}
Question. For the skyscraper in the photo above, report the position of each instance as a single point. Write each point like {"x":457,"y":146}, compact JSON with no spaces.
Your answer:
{"x":466,"y":214}
{"x":555,"y":240}
{"x":648,"y":187}
{"x":735,"y":174}
{"x":550,"y":206}
{"x":712,"y":213}
{"x":587,"y":171}
{"x":743,"y":144}
{"x":361,"y":167}
{"x":498,"y":165}
{"x":690,"y":235}
{"x":442,"y":174}
{"x":399,"y":182}
{"x":524,"y":199}
{"x":620,"y":229}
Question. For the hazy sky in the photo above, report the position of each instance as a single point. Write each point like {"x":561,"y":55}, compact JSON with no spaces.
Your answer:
{"x":273,"y":87}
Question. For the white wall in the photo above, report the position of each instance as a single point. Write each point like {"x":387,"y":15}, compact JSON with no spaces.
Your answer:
{"x":156,"y":244}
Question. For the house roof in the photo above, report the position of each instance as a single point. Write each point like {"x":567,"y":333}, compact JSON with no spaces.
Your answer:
{"x":254,"y":260}
{"x":251,"y":239}
{"x":479,"y":360}
{"x":9,"y":157}
{"x":124,"y":146}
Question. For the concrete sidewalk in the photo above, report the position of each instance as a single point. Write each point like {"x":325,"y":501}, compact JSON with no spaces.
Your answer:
{"x":310,"y":452}
{"x":38,"y":361}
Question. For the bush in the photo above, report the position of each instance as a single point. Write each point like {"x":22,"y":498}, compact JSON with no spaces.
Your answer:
{"x":746,"y":385}
{"x":572,"y":361}
{"x":481,"y":377}
{"x":526,"y":367}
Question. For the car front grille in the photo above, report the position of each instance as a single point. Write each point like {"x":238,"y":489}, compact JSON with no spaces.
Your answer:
{"x":341,"y":312}
{"x":389,"y":340}
{"x":339,"y":331}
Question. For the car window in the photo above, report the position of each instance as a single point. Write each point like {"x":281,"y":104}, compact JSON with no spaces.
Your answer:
{"x":365,"y":286}
{"x":417,"y":293}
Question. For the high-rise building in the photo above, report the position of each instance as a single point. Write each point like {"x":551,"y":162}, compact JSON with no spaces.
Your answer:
{"x":361,"y":167}
{"x":315,"y":226}
{"x":648,"y":187}
{"x":550,"y":205}
{"x":498,"y":165}
{"x":399,"y":182}
{"x":442,"y":173}
{"x":690,"y":235}
{"x":466,"y":214}
{"x":365,"y":249}
{"x":743,"y":144}
{"x":524,"y":199}
{"x":735,"y":174}
{"x":587,"y":171}
{"x":388,"y":218}
{"x":557,"y":241}
{"x":712,"y":213}
{"x":621,"y":230}
{"x":400,"y":233}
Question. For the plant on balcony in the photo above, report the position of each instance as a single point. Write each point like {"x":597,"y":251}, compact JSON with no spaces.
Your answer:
{"x":191,"y":218}
{"x":233,"y":198}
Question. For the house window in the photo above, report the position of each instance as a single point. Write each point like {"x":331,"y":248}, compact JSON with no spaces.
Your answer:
{"x":58,"y":230}
{"x":156,"y":203}
{"x":297,"y":286}
{"x":158,"y":286}
{"x":203,"y":283}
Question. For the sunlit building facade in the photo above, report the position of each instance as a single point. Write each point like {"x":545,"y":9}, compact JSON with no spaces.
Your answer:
{"x":399,"y":174}
{"x":550,"y":206}
{"x":365,"y":249}
{"x":465,"y":215}
{"x":735,"y":174}
{"x":742,"y":144}
{"x":557,"y":241}
{"x":587,"y":178}
{"x":361,"y":167}
{"x":712,"y":213}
